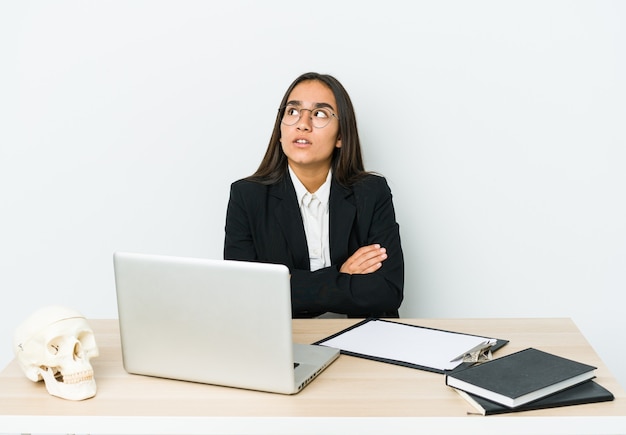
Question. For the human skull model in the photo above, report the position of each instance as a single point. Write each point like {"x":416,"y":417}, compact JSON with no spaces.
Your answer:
{"x":55,"y":344}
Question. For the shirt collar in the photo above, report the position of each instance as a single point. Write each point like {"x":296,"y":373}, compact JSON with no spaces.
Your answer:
{"x":322,"y":194}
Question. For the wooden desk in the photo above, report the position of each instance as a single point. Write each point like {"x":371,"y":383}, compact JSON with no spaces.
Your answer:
{"x":352,"y":396}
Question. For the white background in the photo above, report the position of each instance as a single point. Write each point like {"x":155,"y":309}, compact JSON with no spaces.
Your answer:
{"x":500,"y":127}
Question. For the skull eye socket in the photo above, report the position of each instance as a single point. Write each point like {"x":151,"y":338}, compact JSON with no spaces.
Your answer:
{"x":54,"y":346}
{"x":87,"y":340}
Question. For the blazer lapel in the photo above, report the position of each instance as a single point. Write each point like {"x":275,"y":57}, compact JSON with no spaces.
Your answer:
{"x":288,"y":215}
{"x":342,"y":215}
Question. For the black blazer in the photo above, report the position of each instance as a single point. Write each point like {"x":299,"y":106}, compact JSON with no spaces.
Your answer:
{"x":263,"y":223}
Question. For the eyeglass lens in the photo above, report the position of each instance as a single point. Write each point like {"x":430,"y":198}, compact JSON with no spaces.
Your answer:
{"x":320,"y":117}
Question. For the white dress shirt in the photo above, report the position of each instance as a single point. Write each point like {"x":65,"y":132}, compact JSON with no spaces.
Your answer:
{"x":314,"y":210}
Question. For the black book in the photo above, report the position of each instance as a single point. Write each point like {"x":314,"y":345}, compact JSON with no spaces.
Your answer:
{"x":587,"y":392}
{"x":521,"y":377}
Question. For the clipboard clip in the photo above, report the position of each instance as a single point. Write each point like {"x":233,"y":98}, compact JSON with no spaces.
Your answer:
{"x":479,"y":353}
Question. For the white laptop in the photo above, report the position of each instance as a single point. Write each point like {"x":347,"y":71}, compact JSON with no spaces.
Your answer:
{"x":212,"y":321}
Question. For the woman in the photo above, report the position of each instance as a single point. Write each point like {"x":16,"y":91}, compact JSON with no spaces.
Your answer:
{"x":312,"y":207}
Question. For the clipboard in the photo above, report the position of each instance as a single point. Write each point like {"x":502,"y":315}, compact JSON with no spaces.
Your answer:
{"x":413,"y":346}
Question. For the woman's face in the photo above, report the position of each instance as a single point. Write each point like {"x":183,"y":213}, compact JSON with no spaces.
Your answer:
{"x":308,"y":147}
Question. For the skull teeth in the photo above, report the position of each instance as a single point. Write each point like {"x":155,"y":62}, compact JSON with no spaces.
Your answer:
{"x":76,"y":378}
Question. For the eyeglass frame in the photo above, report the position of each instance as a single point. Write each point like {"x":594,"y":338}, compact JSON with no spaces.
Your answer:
{"x":284,"y":109}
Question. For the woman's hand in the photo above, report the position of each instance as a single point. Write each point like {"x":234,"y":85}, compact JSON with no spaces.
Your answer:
{"x":366,"y":259}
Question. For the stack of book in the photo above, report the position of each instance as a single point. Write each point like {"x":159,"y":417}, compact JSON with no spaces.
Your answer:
{"x":526,"y":380}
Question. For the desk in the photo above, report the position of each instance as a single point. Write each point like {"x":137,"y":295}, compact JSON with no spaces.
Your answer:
{"x":353,"y":395}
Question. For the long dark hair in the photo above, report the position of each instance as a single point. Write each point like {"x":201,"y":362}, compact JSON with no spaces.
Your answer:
{"x":347,"y":161}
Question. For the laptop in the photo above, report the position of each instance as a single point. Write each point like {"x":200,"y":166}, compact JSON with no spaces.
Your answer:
{"x":218,"y":322}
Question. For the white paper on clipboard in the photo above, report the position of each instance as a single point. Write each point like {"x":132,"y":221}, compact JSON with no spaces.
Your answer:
{"x":411,"y":344}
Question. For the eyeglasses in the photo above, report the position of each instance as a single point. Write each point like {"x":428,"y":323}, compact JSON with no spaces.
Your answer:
{"x":320,"y":116}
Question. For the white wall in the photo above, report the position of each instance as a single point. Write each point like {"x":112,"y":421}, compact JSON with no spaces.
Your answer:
{"x":499,"y":125}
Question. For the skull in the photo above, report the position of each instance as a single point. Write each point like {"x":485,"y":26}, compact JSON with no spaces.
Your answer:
{"x":55,"y":344}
